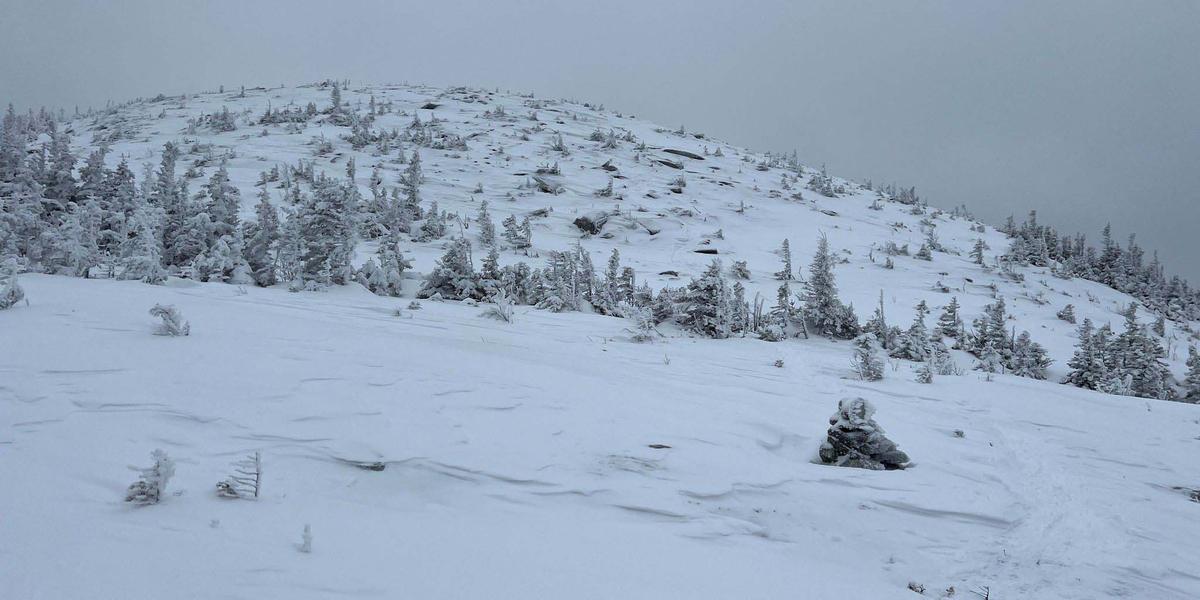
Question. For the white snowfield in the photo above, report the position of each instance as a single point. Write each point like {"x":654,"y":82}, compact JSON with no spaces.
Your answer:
{"x":436,"y":453}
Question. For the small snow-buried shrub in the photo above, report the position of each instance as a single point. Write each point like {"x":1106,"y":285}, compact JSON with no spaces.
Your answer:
{"x":245,"y":480}
{"x":10,"y":290}
{"x":501,"y":308}
{"x":152,"y":481}
{"x":306,"y":540}
{"x":172,"y":321}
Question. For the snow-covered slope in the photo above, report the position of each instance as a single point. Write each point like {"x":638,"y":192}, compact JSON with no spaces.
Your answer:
{"x":517,"y":456}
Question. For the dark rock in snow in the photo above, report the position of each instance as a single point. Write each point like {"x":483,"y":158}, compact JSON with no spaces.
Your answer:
{"x":706,"y":251}
{"x":430,"y":105}
{"x":592,"y":222}
{"x":683,"y":153}
{"x":856,"y":440}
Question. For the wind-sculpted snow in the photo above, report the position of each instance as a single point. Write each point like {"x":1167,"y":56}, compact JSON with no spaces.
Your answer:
{"x":438,"y":453}
{"x":441,"y":454}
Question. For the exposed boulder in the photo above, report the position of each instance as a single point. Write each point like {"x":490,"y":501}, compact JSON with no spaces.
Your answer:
{"x":684,"y":153}
{"x":592,"y":222}
{"x":856,"y":440}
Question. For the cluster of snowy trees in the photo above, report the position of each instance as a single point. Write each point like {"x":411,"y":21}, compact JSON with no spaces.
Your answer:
{"x":1123,"y":269}
{"x":105,"y":222}
{"x":710,"y":304}
{"x":1128,"y":363}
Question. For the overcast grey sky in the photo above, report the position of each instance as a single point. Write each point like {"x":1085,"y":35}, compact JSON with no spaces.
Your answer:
{"x":1088,"y":111}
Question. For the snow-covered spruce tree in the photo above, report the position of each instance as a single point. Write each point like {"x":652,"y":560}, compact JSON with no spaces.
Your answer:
{"x":855,"y":440}
{"x":865,"y":362}
{"x":1137,"y":357}
{"x":413,"y":176}
{"x":289,"y":256}
{"x":886,"y":335}
{"x":10,"y":289}
{"x":1087,"y":368}
{"x":781,"y":317}
{"x":141,"y":253}
{"x":923,"y":253}
{"x":950,"y":322}
{"x":977,"y":251}
{"x":152,"y":480}
{"x":990,"y":360}
{"x":487,"y":229}
{"x":246,"y":480}
{"x":739,"y":270}
{"x":914,"y":343}
{"x":434,"y":225}
{"x":223,"y":202}
{"x":705,"y":303}
{"x":1029,"y":359}
{"x":924,"y":372}
{"x":785,"y":254}
{"x":263,"y":238}
{"x":517,"y":234}
{"x":1160,"y":326}
{"x":326,"y":226}
{"x":1191,"y":383}
{"x":739,"y":310}
{"x":1067,"y":314}
{"x":76,"y":248}
{"x":991,"y":329}
{"x":454,"y":277}
{"x":388,"y":276}
{"x":824,"y":313}
{"x":172,"y":321}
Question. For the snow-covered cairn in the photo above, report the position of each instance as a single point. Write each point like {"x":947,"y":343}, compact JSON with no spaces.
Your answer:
{"x":152,"y":481}
{"x":856,"y":440}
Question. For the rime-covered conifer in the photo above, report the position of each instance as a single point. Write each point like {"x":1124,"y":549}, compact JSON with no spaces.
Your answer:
{"x":152,"y":481}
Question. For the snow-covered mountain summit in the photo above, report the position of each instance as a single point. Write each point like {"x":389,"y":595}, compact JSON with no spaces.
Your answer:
{"x":554,"y":452}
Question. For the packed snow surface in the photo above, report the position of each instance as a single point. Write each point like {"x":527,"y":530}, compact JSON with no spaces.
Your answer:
{"x":436,"y":453}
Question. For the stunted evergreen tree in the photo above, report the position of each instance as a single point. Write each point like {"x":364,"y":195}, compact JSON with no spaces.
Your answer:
{"x":326,"y":226}
{"x":785,"y":254}
{"x":518,"y":235}
{"x":866,"y":362}
{"x":1137,"y":358}
{"x":1191,"y":383}
{"x":705,"y":303}
{"x":263,"y":238}
{"x":1067,"y":313}
{"x":454,"y":277}
{"x":823,"y":311}
{"x":991,"y":329}
{"x":487,"y":229}
{"x":977,"y":251}
{"x":434,"y":225}
{"x":914,"y":344}
{"x":223,"y":202}
{"x":152,"y":481}
{"x":141,"y":254}
{"x":1087,"y":368}
{"x":1029,"y":359}
{"x":950,"y":323}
